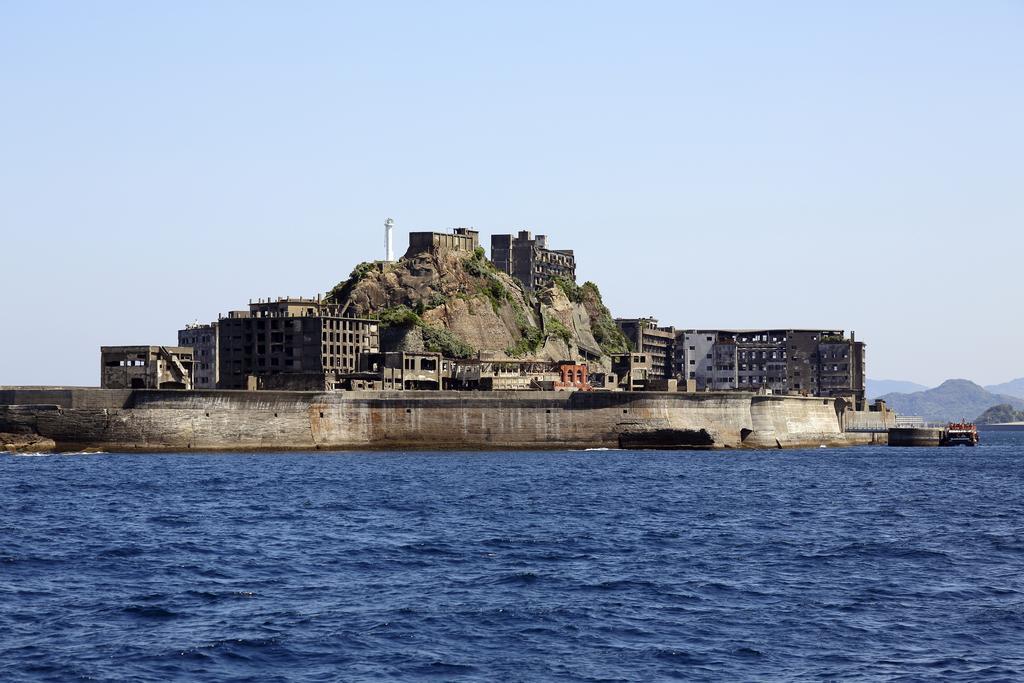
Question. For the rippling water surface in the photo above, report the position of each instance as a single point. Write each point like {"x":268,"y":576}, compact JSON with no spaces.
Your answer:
{"x":867,"y":563}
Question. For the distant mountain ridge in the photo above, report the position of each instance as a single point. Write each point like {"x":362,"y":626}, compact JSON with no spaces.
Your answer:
{"x":954,"y":399}
{"x":1014,"y":387}
{"x":879,"y":387}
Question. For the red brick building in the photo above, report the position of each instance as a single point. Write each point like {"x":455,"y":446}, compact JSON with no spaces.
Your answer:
{"x":573,"y":377}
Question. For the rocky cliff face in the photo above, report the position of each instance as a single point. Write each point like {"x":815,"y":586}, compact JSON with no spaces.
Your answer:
{"x":458,"y":303}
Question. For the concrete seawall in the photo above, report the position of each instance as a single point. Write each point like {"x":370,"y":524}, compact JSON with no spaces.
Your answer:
{"x":146,"y":420}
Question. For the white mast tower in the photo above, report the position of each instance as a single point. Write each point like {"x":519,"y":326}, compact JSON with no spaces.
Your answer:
{"x":389,"y":240}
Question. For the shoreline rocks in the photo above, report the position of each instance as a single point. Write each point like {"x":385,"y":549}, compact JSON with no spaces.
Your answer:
{"x":26,"y":443}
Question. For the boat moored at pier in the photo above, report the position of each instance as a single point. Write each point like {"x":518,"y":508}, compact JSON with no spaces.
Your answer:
{"x":960,"y":434}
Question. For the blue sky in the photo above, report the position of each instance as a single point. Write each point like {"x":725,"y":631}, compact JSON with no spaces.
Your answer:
{"x":844,"y":164}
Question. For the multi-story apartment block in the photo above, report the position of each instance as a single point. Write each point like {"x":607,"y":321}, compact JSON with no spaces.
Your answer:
{"x":842,"y":368}
{"x":203,"y":340}
{"x":812,"y":362}
{"x":291,"y":344}
{"x":530,"y":261}
{"x":658,"y":343}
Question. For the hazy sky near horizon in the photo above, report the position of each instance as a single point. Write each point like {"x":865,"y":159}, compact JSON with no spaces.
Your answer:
{"x":854,"y":165}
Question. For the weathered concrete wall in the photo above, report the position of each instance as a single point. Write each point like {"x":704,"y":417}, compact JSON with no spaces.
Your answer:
{"x":239,"y":420}
{"x":785,"y":421}
{"x":915,"y":436}
{"x":869,"y":421}
{"x":66,"y":397}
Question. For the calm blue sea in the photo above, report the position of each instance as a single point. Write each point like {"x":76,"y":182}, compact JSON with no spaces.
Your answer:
{"x":870,"y":563}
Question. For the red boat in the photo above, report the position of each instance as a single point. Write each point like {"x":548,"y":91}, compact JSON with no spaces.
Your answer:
{"x":960,"y":434}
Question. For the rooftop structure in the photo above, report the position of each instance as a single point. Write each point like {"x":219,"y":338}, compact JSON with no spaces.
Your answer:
{"x":530,"y":261}
{"x":281,"y":307}
{"x":460,"y":239}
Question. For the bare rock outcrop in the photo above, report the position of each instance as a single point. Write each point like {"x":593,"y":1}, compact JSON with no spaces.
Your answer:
{"x":25,"y":443}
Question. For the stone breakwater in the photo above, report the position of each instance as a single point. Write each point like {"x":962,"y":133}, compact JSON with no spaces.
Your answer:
{"x":147,"y":420}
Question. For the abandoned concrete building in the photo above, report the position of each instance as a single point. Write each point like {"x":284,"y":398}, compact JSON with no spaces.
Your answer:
{"x":812,"y":362}
{"x":403,"y":370}
{"x":632,"y":370}
{"x":424,"y":370}
{"x":502,"y":375}
{"x":460,"y":239}
{"x":517,"y":375}
{"x":145,"y":367}
{"x":657,"y":343}
{"x":203,"y":340}
{"x":530,"y":261}
{"x":291,"y":343}
{"x":842,"y":369}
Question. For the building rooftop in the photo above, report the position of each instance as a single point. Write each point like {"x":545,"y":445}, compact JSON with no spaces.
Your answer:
{"x":136,"y":348}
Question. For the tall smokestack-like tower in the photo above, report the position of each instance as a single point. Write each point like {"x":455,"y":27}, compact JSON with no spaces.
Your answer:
{"x":389,"y":240}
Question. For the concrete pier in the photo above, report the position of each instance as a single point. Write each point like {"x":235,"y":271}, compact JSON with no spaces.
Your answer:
{"x":916,"y":436}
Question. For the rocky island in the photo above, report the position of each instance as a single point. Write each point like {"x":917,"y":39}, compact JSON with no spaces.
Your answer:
{"x":447,"y":349}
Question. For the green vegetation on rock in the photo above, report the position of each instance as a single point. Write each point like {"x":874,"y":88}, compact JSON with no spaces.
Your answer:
{"x":440,"y":340}
{"x":607,"y":334}
{"x":572,"y":291}
{"x":477,"y":264}
{"x":436,"y":339}
{"x":399,"y":316}
{"x":341,"y":290}
{"x":495,"y":293}
{"x":491,"y":286}
{"x":531,"y":336}
{"x":436,"y":300}
{"x":531,"y":341}
{"x":1003,"y":412}
{"x":555,"y":328}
